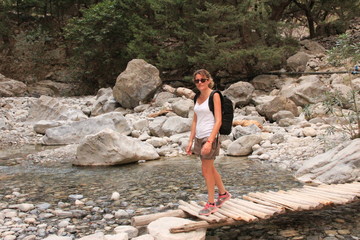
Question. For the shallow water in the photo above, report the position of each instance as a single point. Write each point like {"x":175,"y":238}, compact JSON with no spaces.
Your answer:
{"x":142,"y":185}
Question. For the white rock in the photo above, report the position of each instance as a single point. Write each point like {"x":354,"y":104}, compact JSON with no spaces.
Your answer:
{"x":108,"y":216}
{"x":78,"y":202}
{"x":30,"y":220}
{"x":10,"y":214}
{"x":115,"y":196}
{"x":121,"y":214}
{"x":159,"y":229}
{"x":30,"y":237}
{"x":63,"y":224}
{"x":144,"y":237}
{"x":10,"y":237}
{"x":309,"y":132}
{"x":54,"y":237}
{"x":95,"y":236}
{"x":119,"y":236}
{"x":26,"y":207}
{"x":130,"y":230}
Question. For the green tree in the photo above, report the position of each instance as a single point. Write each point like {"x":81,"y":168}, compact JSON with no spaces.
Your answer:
{"x":5,"y":30}
{"x":329,"y":12}
{"x":99,"y":40}
{"x":219,"y":35}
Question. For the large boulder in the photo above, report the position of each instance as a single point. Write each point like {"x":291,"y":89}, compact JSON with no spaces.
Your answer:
{"x":136,"y":84}
{"x":279,"y":103}
{"x":105,"y":102}
{"x":11,"y":88}
{"x":338,"y":165}
{"x":243,"y":145}
{"x":266,"y":82}
{"x":109,"y":147}
{"x":176,"y":124}
{"x":50,"y":88}
{"x":49,"y":108}
{"x":312,"y":47}
{"x":306,"y":90}
{"x":298,"y":62}
{"x":74,"y":132}
{"x":182,"y":107}
{"x":167,"y":126}
{"x":160,"y":229}
{"x":240,"y":93}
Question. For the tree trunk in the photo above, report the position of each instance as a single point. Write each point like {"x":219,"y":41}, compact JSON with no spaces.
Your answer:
{"x":278,"y":10}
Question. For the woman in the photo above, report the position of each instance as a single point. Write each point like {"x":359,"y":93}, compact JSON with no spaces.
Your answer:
{"x":205,"y":131}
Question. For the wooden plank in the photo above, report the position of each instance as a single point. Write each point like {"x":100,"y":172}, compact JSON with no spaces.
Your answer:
{"x":335,"y":200}
{"x":258,"y":207}
{"x":265,"y":203}
{"x":248,"y":210}
{"x":352,"y":189}
{"x":195,"y":213}
{"x":320,"y":197}
{"x":318,"y":191}
{"x":193,"y":210}
{"x":230,"y":214}
{"x":333,"y":191}
{"x":290,"y":205}
{"x":295,"y":198}
{"x":311,"y":197}
{"x":303,"y":197}
{"x":219,"y":217}
{"x":244,"y":215}
{"x":144,"y":220}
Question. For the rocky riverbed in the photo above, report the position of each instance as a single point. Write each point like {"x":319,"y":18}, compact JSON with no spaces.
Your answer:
{"x":25,"y":215}
{"x":282,"y":132}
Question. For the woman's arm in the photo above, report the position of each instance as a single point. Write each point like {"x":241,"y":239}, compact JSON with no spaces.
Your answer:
{"x":192,"y":135}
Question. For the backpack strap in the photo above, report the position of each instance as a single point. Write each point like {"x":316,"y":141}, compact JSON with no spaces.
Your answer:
{"x":211,"y":101}
{"x":196,"y":97}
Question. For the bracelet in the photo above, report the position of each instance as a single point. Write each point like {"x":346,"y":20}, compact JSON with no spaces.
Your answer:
{"x":209,"y":141}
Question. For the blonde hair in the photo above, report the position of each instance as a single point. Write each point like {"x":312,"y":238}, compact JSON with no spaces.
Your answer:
{"x":204,"y":73}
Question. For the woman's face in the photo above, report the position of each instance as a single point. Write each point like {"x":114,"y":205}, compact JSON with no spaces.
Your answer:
{"x":201,"y":82}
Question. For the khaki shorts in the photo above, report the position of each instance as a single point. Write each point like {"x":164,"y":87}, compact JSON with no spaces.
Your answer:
{"x":215,"y":149}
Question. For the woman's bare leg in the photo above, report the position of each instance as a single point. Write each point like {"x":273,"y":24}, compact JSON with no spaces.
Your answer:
{"x":207,"y":167}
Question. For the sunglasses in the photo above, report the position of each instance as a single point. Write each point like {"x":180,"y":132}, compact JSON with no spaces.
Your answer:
{"x":200,"y":80}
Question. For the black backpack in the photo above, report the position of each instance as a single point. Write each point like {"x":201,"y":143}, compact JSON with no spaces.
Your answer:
{"x":227,"y":111}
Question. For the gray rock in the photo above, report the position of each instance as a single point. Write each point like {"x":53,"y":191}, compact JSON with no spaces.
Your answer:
{"x":49,"y":108}
{"x":243,"y":145}
{"x":11,"y":88}
{"x":136,"y":84}
{"x":240,"y":93}
{"x":306,"y":90}
{"x":41,"y":126}
{"x":298,"y":62}
{"x":112,"y":148}
{"x":76,"y":131}
{"x":338,"y":165}
{"x":159,"y":229}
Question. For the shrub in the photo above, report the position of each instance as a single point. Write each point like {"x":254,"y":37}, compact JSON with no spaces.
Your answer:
{"x":346,"y":110}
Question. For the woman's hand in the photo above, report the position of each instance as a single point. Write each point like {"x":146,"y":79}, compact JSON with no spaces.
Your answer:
{"x":188,"y":149}
{"x":206,"y":148}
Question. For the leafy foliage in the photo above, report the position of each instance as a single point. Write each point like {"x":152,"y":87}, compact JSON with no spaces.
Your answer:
{"x":346,"y":48}
{"x":231,"y":37}
{"x":346,"y":110}
{"x":99,"y":41}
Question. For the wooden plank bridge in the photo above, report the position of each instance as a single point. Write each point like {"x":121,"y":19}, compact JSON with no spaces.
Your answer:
{"x":259,"y":205}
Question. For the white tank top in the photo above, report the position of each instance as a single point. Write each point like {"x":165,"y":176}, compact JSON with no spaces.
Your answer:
{"x":205,"y":119}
